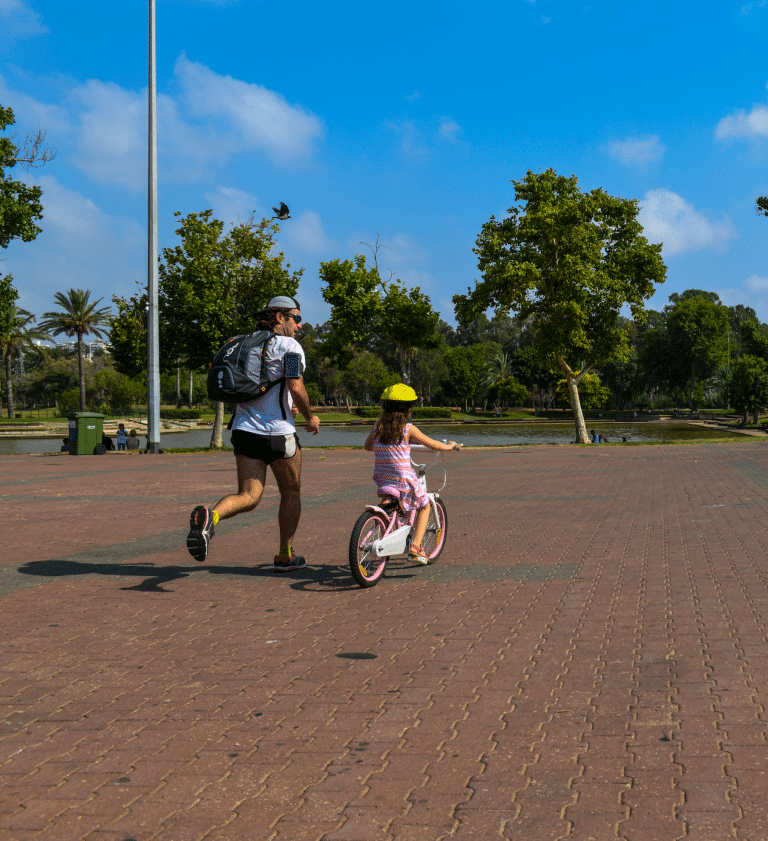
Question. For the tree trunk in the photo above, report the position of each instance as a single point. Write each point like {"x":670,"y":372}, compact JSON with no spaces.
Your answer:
{"x":693,"y":385}
{"x":9,"y":383}
{"x":80,"y":370}
{"x":178,"y":386}
{"x":573,"y":393}
{"x":756,"y":416}
{"x":191,"y":384}
{"x":405,"y":364}
{"x":218,"y":426}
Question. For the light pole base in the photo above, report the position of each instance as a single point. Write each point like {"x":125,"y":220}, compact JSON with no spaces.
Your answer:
{"x":153,"y":447}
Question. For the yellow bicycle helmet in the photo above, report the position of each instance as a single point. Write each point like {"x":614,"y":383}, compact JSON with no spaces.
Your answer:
{"x":398,"y":398}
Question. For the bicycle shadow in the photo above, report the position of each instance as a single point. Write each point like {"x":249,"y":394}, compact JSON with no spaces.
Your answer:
{"x":319,"y":578}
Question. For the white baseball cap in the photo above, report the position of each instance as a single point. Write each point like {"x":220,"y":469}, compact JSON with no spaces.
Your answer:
{"x":284,"y":302}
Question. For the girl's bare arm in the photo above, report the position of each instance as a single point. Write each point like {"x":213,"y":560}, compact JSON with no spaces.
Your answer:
{"x":416,"y":436}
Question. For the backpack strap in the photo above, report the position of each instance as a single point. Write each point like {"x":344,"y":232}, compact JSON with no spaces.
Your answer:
{"x":273,"y":383}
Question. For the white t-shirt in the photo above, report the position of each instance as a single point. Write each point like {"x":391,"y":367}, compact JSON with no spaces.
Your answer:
{"x":263,"y":415}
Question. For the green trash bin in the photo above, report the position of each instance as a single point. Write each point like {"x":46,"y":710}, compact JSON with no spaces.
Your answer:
{"x":85,"y":433}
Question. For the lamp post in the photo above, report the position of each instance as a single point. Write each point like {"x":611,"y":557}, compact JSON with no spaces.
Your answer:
{"x":153,"y":331}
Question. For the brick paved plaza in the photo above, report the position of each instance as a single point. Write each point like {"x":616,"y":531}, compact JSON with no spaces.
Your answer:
{"x":587,"y":660}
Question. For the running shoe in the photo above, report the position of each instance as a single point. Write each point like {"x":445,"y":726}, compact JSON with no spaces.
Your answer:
{"x":200,"y":533}
{"x":285,"y":564}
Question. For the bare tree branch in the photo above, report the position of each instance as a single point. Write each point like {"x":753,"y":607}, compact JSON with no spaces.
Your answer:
{"x":375,"y":250}
{"x":31,"y":154}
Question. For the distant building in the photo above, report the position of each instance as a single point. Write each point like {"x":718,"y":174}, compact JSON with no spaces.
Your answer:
{"x":88,"y":347}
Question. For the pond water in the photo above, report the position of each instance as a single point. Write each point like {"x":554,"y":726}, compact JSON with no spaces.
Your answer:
{"x":482,"y":435}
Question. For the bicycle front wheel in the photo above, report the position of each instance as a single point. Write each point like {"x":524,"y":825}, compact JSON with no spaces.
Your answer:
{"x":365,"y":566}
{"x":437,"y":528}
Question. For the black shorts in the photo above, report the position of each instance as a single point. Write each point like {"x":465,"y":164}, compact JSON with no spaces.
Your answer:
{"x":258,"y":447}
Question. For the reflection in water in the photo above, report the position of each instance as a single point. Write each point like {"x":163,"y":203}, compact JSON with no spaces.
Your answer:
{"x":469,"y":434}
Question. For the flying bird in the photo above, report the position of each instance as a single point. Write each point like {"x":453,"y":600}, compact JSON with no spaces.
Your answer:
{"x":283,"y":212}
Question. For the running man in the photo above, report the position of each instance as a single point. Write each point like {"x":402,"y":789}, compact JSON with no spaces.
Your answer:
{"x":264,"y":433}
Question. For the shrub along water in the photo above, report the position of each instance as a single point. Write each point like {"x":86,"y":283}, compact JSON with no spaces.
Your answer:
{"x":416,"y":412}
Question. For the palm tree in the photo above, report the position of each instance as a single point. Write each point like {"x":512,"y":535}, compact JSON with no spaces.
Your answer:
{"x":76,"y":318}
{"x":16,"y":334}
{"x":497,"y":369}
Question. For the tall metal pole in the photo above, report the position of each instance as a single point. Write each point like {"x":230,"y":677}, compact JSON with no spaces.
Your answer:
{"x":153,"y":326}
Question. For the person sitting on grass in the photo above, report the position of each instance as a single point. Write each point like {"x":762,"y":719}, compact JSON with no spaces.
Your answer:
{"x":390,"y":440}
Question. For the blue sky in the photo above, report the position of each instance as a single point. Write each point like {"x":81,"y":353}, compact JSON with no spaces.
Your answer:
{"x":403,"y":120}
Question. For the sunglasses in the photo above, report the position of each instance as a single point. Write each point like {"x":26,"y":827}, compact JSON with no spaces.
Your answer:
{"x":296,"y":318}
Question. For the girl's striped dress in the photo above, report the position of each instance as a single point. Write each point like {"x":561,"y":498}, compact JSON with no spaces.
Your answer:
{"x":394,"y":474}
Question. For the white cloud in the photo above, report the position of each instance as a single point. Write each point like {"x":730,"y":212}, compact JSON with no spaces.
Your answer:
{"x":81,"y":246}
{"x":412,"y":96}
{"x":668,"y":218}
{"x":411,"y":142}
{"x":17,"y":19}
{"x":756,"y":4}
{"x":449,"y":129}
{"x":261,"y":118}
{"x":753,"y":125}
{"x":401,"y":250}
{"x":756,"y":283}
{"x":231,"y":204}
{"x":306,"y":233}
{"x":637,"y":150}
{"x":31,"y":114}
{"x":111,"y":142}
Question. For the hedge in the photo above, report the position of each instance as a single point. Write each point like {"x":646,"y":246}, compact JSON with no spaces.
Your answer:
{"x":416,"y":412}
{"x":180,"y":414}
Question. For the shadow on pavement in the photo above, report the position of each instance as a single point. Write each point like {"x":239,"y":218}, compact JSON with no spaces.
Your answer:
{"x":312,"y":579}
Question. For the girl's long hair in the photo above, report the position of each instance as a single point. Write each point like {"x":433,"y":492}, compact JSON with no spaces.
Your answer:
{"x":390,"y":426}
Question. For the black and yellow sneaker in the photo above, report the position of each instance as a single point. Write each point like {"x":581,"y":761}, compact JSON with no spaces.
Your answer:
{"x":200,"y":533}
{"x":283,"y":563}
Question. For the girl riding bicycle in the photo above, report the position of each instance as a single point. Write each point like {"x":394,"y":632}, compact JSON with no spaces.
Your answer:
{"x":390,"y":440}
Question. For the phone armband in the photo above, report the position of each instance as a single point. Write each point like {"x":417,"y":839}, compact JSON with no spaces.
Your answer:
{"x":292,"y":365}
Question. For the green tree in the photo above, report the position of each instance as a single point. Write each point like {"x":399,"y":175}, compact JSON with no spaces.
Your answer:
{"x":753,"y":341}
{"x":748,"y":385}
{"x":697,"y":328}
{"x":212,"y":284}
{"x":761,"y":205}
{"x":112,"y":390}
{"x":128,"y":334}
{"x":624,"y":379}
{"x":659,"y":370}
{"x":509,"y":392}
{"x":20,"y":203}
{"x":364,"y":305}
{"x":466,"y":369}
{"x":568,"y":261}
{"x":77,"y":317}
{"x":52,"y":378}
{"x":592,"y":393}
{"x":367,"y":376}
{"x":498,"y":368}
{"x":428,"y":370}
{"x":17,"y":332}
{"x":528,"y":369}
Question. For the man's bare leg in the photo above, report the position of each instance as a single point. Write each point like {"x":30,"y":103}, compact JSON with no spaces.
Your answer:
{"x":251,"y":475}
{"x":288,"y":476}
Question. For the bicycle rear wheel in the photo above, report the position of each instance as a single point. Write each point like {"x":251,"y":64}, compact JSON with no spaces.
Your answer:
{"x":434,"y":538}
{"x":365,"y":566}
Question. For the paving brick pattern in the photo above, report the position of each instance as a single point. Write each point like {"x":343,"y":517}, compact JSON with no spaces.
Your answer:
{"x":587,"y":660}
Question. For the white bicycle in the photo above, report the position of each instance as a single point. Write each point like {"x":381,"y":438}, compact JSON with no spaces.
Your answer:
{"x":385,"y":531}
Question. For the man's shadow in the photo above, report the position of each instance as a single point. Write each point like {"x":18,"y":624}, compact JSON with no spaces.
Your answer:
{"x":321,"y":578}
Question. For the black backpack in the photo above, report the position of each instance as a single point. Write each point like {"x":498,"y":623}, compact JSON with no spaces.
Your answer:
{"x":237,"y":374}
